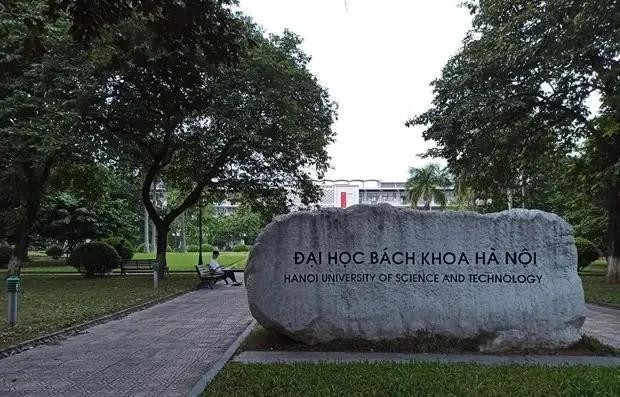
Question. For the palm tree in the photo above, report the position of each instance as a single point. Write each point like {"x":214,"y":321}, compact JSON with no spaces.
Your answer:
{"x":424,"y":183}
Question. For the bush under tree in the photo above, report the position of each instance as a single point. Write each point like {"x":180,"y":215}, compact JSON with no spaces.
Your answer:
{"x":241,"y":248}
{"x":95,"y":259}
{"x":122,"y":247}
{"x":54,"y":251}
{"x":587,"y":252}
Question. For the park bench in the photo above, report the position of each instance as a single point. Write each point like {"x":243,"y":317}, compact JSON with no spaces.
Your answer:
{"x":207,"y":277}
{"x":139,"y":266}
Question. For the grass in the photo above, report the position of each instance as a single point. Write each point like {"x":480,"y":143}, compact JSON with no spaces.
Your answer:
{"x":52,"y":302}
{"x":597,"y":290}
{"x":415,"y":379}
{"x":177,"y":261}
{"x":598,"y":266}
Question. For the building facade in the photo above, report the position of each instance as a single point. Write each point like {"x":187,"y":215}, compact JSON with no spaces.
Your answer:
{"x":345,"y":193}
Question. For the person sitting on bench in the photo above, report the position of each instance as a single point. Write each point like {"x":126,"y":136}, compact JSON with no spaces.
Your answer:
{"x":215,"y":268}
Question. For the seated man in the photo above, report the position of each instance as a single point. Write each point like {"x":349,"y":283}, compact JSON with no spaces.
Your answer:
{"x":216,"y":268}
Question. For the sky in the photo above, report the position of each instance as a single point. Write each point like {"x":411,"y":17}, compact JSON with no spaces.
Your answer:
{"x":377,"y":60}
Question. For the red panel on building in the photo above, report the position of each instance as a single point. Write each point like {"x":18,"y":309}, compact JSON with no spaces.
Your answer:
{"x":343,"y":199}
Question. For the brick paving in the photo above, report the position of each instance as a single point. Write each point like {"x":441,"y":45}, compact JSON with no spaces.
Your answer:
{"x":160,"y":351}
{"x":603,"y":323}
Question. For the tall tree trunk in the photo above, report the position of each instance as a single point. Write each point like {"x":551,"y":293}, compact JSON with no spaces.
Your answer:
{"x":147,"y":246}
{"x":162,"y":244}
{"x":183,"y":235}
{"x":28,"y":215}
{"x":613,"y":236}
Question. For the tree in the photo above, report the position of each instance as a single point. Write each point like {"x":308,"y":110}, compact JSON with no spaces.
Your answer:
{"x":243,"y":224}
{"x":257,"y":127}
{"x":425,"y":183}
{"x":41,"y":75}
{"x":89,"y":201}
{"x":517,"y":92}
{"x":64,"y":219}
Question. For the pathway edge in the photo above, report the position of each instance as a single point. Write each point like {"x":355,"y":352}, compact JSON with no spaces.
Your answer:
{"x":215,"y":369}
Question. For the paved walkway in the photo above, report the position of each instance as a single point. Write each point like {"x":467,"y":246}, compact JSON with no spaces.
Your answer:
{"x":603,"y":323}
{"x":160,"y":351}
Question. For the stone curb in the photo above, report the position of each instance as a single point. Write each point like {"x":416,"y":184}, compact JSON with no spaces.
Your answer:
{"x":205,"y":379}
{"x":283,"y":357}
{"x":76,"y":329}
{"x":605,"y":305}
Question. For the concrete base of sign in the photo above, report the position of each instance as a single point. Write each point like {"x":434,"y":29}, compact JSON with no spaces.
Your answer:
{"x":381,"y":273}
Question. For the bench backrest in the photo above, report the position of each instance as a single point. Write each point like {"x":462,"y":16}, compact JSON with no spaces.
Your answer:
{"x":203,"y":270}
{"x":139,"y":263}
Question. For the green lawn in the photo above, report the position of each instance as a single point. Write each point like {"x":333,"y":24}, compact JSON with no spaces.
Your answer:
{"x":180,"y":261}
{"x":597,"y":290}
{"x":49,"y":303}
{"x":385,"y":379}
{"x":177,"y":261}
{"x":599,"y":266}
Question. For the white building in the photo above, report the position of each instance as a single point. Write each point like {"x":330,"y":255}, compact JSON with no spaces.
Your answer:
{"x":345,"y":193}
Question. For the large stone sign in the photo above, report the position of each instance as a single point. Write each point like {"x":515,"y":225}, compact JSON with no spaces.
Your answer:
{"x":378,"y":273}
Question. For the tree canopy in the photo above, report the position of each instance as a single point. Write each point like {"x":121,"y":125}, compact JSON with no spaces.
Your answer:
{"x":256,"y":128}
{"x":518,"y":92}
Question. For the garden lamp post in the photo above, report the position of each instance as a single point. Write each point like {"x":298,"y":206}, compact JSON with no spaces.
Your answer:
{"x":200,"y":233}
{"x":12,"y":287}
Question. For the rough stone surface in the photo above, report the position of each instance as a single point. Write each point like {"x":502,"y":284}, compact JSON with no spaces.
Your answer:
{"x":503,"y":315}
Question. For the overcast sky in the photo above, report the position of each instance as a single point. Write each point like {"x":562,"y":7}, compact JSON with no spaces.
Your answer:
{"x":376,"y":59}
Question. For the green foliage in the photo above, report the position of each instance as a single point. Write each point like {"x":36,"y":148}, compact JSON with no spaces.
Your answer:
{"x":63,"y":218}
{"x":139,"y":248}
{"x":54,"y":251}
{"x":241,"y":248}
{"x":205,"y":248}
{"x":425,"y":183}
{"x":243,"y":224}
{"x":514,"y":101}
{"x":123,"y":247}
{"x":94,"y":259}
{"x":587,"y":252}
{"x":270,"y":120}
{"x":42,"y":77}
{"x":5,"y":254}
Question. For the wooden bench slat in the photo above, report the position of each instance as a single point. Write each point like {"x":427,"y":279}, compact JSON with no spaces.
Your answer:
{"x":132,"y":265}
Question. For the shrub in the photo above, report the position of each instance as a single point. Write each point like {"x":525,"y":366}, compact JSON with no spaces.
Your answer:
{"x":5,"y":254}
{"x":122,"y":246}
{"x":169,"y":249}
{"x":95,"y":259}
{"x":140,"y":247}
{"x":241,"y":248}
{"x":207,"y":248}
{"x":587,"y":252}
{"x":54,"y":251}
{"x":192,"y":248}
